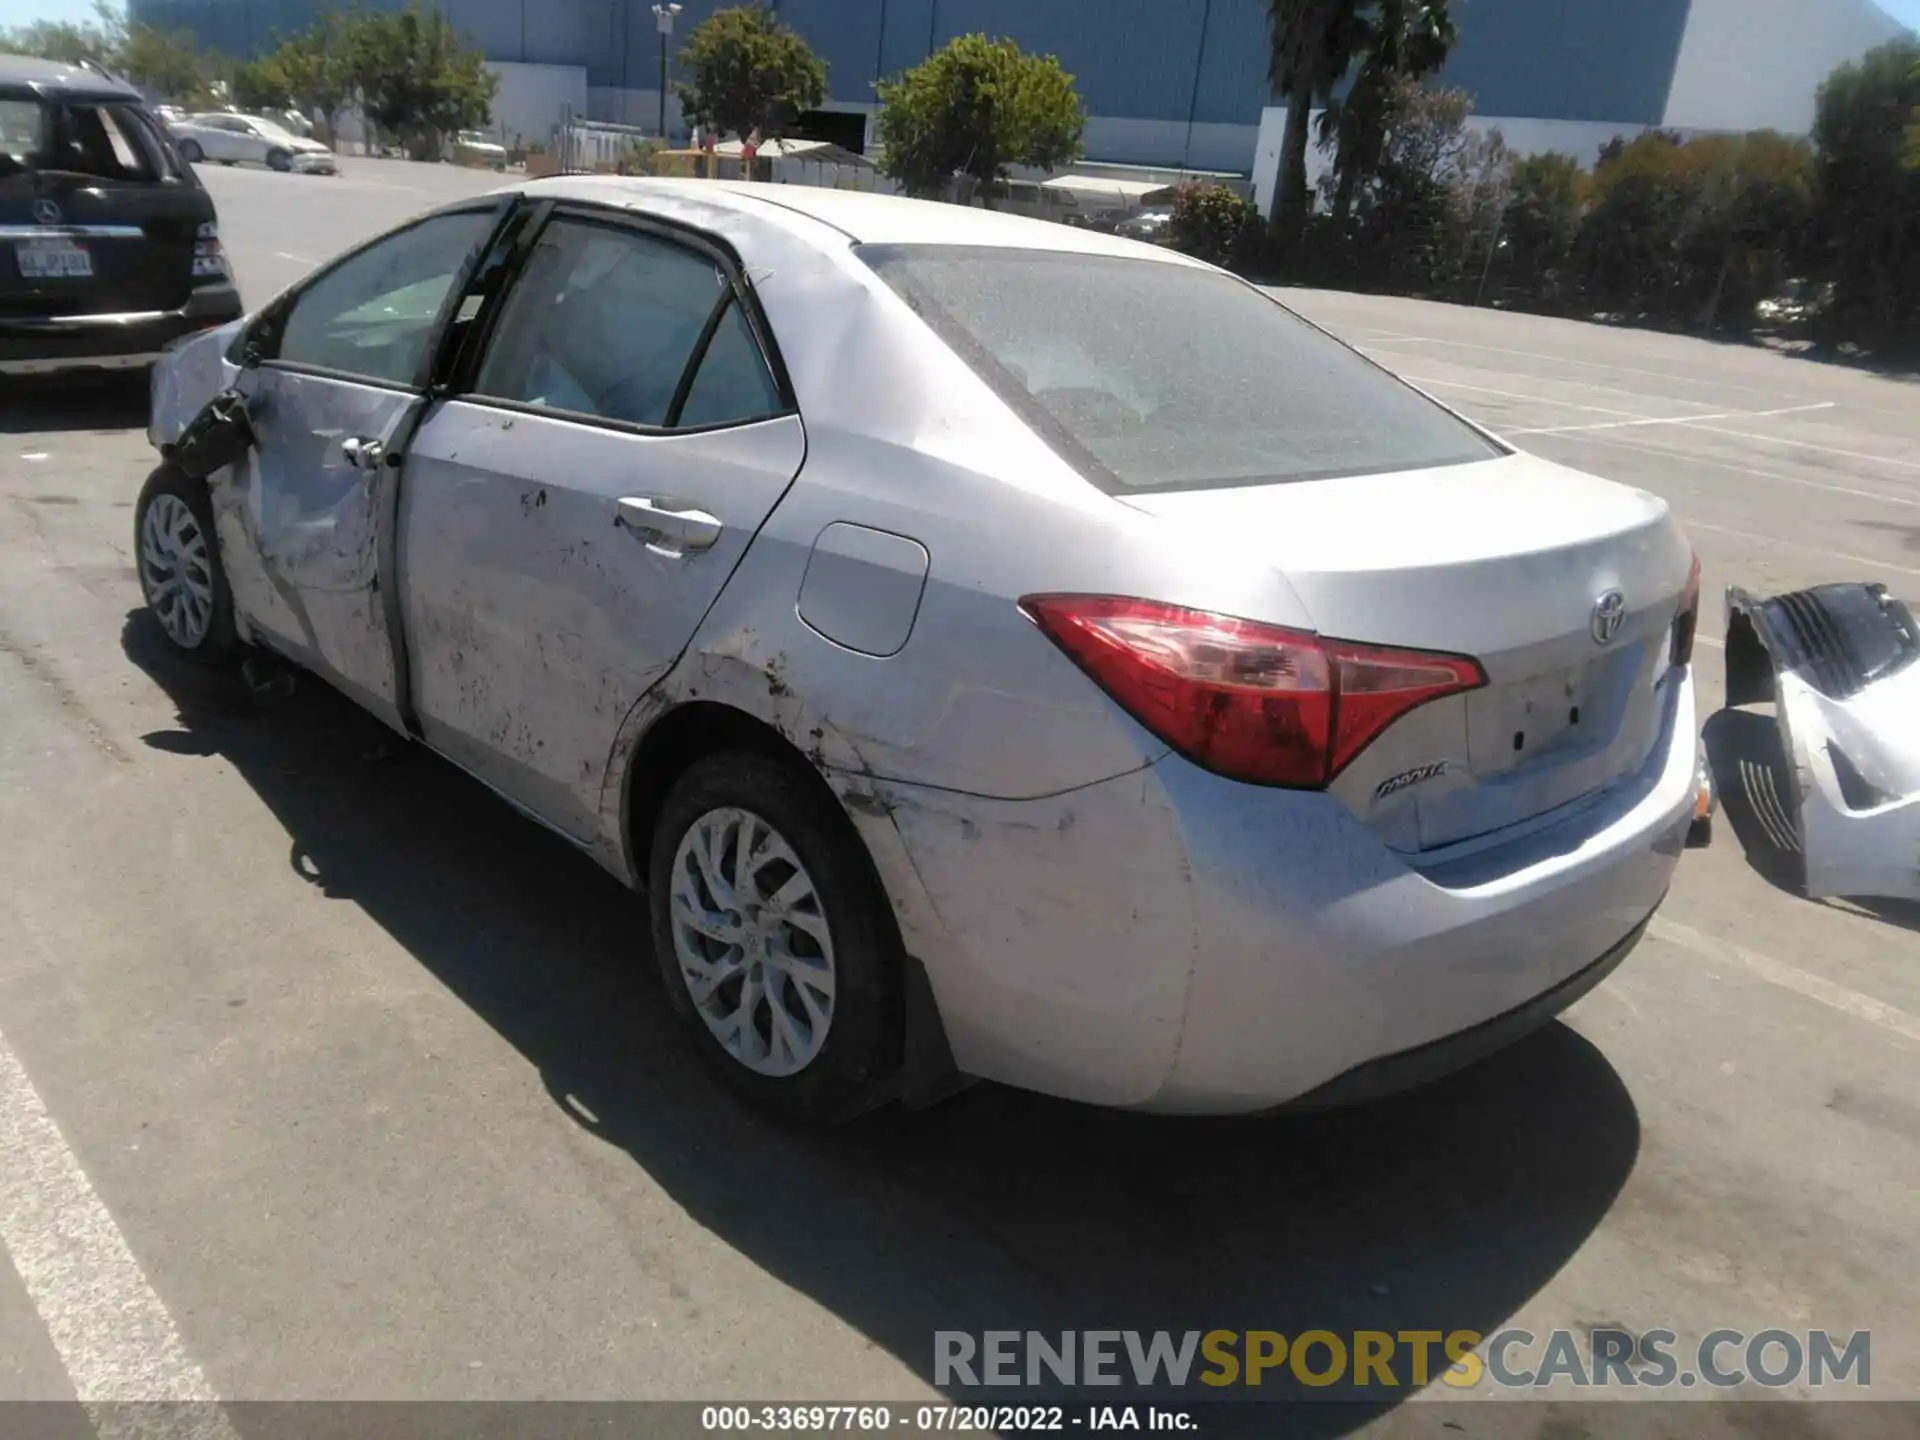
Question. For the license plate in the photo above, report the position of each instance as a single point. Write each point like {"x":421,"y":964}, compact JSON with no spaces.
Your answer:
{"x":53,"y":260}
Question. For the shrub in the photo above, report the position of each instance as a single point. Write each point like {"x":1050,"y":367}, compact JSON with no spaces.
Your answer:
{"x":1215,"y":224}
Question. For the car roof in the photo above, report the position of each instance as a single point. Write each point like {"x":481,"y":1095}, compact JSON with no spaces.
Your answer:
{"x":58,"y":75}
{"x":861,"y":216}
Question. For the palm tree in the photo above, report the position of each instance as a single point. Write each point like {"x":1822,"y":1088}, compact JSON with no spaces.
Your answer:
{"x":1396,"y":40}
{"x":1313,"y":45}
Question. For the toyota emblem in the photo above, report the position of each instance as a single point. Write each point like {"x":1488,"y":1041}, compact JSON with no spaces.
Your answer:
{"x":1609,"y":613}
{"x":47,"y":213}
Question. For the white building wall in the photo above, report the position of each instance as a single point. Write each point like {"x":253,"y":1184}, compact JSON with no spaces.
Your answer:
{"x":532,"y":98}
{"x":1756,"y":64}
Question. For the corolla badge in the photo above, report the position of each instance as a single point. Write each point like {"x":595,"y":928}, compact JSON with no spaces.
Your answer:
{"x":1609,"y":613}
{"x":47,"y":213}
{"x":1397,"y":783}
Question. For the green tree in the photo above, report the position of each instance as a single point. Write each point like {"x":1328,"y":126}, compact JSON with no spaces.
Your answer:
{"x":161,"y":61}
{"x":1547,"y":194}
{"x":977,"y":107}
{"x":1868,"y":188}
{"x":417,"y":78}
{"x":1396,"y":40}
{"x":318,"y":66}
{"x":1312,"y":46}
{"x":747,"y":71}
{"x":59,"y":40}
{"x":259,"y":84}
{"x":166,"y":63}
{"x":1750,"y":206}
{"x":1438,"y":191}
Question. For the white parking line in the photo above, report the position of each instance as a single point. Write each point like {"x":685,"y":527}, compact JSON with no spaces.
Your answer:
{"x":1666,"y":375}
{"x":297,"y":259}
{"x":1749,"y":471}
{"x":1680,"y":420}
{"x":1867,"y":561}
{"x":1790,"y":977}
{"x":113,"y":1334}
{"x":1534,"y":399}
{"x":1803,"y":444}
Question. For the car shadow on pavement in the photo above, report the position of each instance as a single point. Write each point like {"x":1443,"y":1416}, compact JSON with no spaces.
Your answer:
{"x":1443,"y":1210}
{"x":1749,"y":761}
{"x":86,"y":402}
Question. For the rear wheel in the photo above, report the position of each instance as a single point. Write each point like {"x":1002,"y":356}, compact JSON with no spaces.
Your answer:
{"x":279,"y":160}
{"x":179,"y":565}
{"x":191,"y":152}
{"x":774,"y":938}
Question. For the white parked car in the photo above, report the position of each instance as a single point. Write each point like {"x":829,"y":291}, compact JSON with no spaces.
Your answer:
{"x":1193,"y":725}
{"x":476,"y":146}
{"x":245,"y":139}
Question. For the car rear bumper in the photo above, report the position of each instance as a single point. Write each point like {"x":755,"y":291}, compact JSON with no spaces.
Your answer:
{"x":55,"y":344}
{"x":1173,"y":941}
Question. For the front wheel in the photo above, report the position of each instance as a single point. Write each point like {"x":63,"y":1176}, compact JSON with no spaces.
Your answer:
{"x":774,"y":939}
{"x":191,"y":152}
{"x":180,"y":572}
{"x":279,"y":160}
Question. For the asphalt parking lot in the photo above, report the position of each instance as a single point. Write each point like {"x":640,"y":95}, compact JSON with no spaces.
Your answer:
{"x":322,"y":1074}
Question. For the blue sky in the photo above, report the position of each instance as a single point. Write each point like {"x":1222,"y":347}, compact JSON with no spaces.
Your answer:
{"x":20,"y":12}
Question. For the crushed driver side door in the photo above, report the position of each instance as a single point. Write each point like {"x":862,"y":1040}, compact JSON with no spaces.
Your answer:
{"x":336,"y":376}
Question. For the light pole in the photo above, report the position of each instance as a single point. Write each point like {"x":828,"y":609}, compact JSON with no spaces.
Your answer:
{"x":663,"y":16}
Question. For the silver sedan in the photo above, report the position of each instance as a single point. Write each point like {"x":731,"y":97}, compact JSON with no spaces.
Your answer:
{"x":993,"y":649}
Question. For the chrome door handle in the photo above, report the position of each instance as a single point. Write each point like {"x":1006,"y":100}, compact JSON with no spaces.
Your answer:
{"x":361,"y":452}
{"x":686,"y":529}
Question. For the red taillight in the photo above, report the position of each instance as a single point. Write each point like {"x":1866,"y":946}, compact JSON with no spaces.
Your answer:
{"x":1251,"y":701}
{"x":1687,"y":623}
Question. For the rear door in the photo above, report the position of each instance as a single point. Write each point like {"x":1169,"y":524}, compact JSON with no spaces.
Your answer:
{"x":99,"y":216}
{"x":570,"y":517}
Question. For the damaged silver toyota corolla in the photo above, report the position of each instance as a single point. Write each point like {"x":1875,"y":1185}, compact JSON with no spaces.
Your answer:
{"x":1839,"y":664}
{"x":996,"y":649}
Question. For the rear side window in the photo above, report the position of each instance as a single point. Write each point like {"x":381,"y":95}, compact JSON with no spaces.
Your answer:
{"x":605,"y":321}
{"x":23,"y":131}
{"x":1150,"y":375}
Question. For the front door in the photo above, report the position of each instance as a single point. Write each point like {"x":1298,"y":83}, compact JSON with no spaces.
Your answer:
{"x":339,"y":383}
{"x":568,"y":521}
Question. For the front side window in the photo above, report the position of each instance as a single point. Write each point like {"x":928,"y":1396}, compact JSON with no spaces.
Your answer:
{"x":604,"y":321}
{"x":1154,"y":375}
{"x":372,"y":316}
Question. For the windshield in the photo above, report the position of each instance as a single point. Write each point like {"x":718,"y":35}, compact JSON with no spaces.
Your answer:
{"x":1158,"y":376}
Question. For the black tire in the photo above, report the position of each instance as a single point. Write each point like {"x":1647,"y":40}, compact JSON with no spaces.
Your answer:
{"x":855,"y":1065}
{"x":219,"y":644}
{"x":191,"y":152}
{"x":279,"y":160}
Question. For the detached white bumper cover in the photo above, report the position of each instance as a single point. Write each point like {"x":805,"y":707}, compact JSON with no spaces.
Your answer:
{"x":1842,"y":665}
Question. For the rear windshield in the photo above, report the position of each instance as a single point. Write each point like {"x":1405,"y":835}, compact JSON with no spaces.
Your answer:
{"x":1154,"y":376}
{"x":105,"y":140}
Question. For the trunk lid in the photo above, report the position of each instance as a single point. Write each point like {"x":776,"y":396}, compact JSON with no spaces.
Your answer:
{"x":1510,"y":561}
{"x":100,"y":221}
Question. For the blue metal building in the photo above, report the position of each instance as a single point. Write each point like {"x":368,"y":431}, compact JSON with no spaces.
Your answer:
{"x":1166,"y":81}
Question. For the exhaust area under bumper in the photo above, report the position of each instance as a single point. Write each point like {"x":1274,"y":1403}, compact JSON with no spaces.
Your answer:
{"x":1841,"y":664}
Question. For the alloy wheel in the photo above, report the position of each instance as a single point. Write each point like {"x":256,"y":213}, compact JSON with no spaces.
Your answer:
{"x":752,"y":942}
{"x":176,"y":570}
